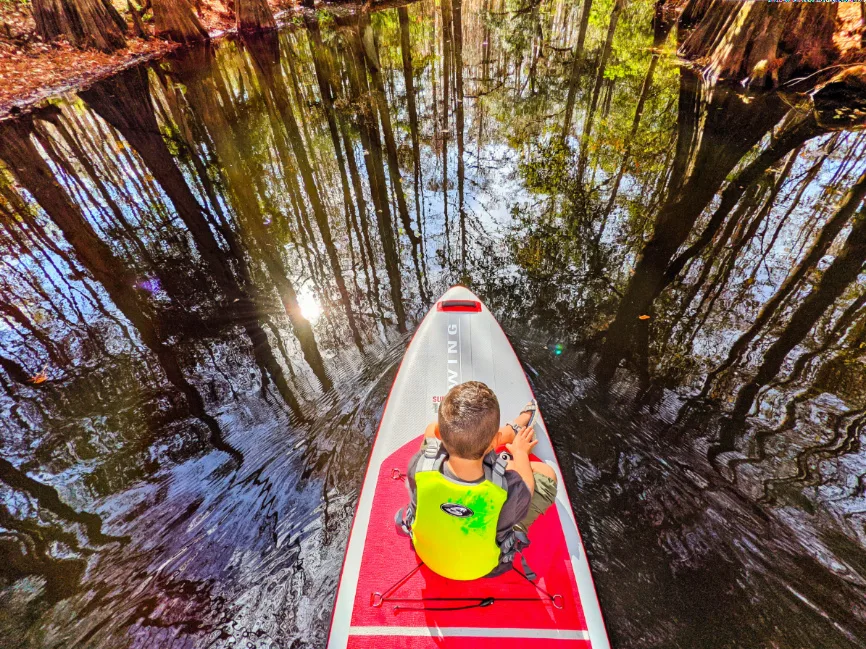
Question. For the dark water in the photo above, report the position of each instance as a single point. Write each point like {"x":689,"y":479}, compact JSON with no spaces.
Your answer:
{"x":203,"y":304}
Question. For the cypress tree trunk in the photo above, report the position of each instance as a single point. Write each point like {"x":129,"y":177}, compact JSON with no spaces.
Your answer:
{"x":85,"y":23}
{"x":137,"y":24}
{"x":381,"y":102}
{"x":850,"y":204}
{"x":20,"y":155}
{"x":618,"y":6}
{"x":701,"y":166}
{"x":175,"y":20}
{"x":574,"y":73}
{"x":409,"y":82}
{"x":760,"y":44}
{"x":447,"y":23}
{"x":254,"y":15}
{"x":661,"y":29}
{"x":845,"y":268}
{"x":371,"y":143}
{"x":457,"y":17}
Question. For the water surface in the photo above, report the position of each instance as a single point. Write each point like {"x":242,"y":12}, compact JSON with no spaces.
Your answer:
{"x":212,"y":264}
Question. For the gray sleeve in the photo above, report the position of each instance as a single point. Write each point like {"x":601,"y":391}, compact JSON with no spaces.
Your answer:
{"x":410,"y":478}
{"x":516,"y":506}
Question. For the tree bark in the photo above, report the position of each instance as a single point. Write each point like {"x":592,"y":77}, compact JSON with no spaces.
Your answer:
{"x":176,"y":21}
{"x":254,"y":15}
{"x":84,"y":23}
{"x":137,"y":24}
{"x":759,"y":44}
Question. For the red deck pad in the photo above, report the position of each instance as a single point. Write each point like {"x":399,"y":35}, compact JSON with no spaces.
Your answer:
{"x":388,"y":558}
{"x":406,"y":642}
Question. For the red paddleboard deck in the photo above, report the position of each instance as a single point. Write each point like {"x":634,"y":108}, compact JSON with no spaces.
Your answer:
{"x":385,"y":599}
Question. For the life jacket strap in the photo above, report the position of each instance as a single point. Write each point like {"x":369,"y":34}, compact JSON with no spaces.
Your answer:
{"x":431,"y":460}
{"x":514,"y":544}
{"x":433,"y":457}
{"x":494,"y":469}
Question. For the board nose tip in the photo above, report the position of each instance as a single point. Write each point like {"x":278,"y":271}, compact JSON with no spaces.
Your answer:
{"x":459,"y":292}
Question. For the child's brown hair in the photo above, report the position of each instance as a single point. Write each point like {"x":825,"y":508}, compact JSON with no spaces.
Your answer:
{"x":468,"y":420}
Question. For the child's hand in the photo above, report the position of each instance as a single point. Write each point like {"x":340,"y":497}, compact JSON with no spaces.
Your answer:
{"x":523,"y":442}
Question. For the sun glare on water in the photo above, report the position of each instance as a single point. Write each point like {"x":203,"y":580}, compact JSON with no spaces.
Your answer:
{"x":310,"y":307}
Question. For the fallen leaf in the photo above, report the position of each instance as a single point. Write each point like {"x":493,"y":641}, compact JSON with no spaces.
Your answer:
{"x":39,"y":378}
{"x":643,"y":317}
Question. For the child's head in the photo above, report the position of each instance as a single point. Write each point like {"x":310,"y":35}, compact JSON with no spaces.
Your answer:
{"x":469,"y":420}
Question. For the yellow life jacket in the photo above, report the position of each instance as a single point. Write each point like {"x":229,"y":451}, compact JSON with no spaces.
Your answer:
{"x":454,"y":523}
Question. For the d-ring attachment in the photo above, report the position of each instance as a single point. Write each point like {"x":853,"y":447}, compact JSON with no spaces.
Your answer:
{"x":397,"y":474}
{"x":376,"y":600}
{"x":557,"y":601}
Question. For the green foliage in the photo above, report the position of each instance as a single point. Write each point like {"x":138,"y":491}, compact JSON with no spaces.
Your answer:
{"x":326,"y":19}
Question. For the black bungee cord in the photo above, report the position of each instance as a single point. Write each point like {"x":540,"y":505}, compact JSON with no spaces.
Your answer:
{"x":378,"y":599}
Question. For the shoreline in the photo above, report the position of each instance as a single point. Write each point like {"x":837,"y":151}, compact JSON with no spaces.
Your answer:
{"x":75,"y":70}
{"x":26,"y":100}
{"x":28,"y":79}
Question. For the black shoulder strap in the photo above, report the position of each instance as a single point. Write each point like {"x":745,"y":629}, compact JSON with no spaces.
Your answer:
{"x":494,"y":469}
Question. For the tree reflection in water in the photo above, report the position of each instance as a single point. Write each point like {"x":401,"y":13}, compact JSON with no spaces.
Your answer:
{"x":210,"y":265}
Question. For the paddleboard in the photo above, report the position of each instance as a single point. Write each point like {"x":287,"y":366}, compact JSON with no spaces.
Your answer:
{"x":385,"y":599}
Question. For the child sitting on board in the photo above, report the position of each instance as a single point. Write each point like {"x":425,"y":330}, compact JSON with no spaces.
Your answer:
{"x":469,"y":504}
